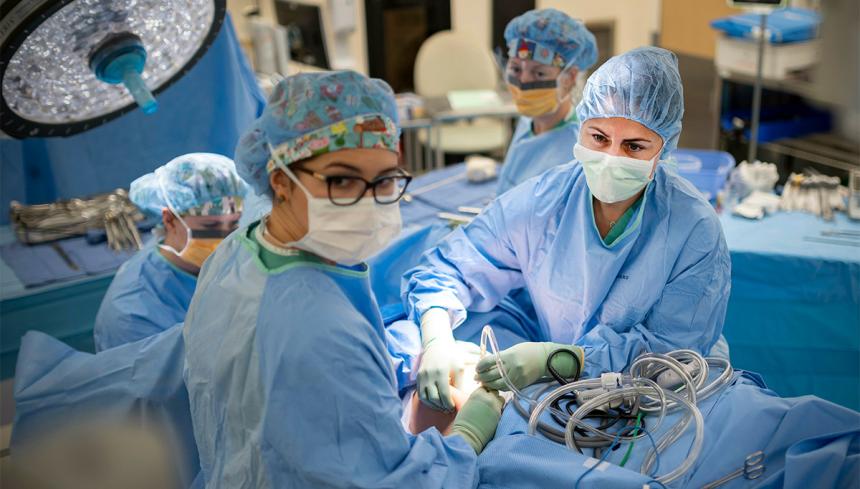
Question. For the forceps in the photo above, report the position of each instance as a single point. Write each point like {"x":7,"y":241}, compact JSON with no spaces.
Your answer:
{"x":753,"y":469}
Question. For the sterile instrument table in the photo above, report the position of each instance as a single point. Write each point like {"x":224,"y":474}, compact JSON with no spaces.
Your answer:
{"x":64,"y":309}
{"x":794,"y":311}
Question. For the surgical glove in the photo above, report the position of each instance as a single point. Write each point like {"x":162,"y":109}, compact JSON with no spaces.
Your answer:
{"x":440,"y":359}
{"x":477,"y":420}
{"x":525,"y":363}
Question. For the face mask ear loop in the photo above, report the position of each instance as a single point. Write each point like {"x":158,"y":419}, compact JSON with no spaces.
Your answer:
{"x":568,"y":95}
{"x":289,"y":173}
{"x":292,"y":176}
{"x":172,"y":209}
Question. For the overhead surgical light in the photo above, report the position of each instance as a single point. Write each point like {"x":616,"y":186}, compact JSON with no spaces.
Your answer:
{"x":70,"y":65}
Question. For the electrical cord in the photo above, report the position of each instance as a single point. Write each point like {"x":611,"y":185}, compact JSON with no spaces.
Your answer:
{"x":589,"y":409}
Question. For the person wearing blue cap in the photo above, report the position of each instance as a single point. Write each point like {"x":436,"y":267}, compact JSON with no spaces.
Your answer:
{"x":287,"y":369}
{"x":548,"y":54}
{"x":619,"y":253}
{"x":198,"y":198}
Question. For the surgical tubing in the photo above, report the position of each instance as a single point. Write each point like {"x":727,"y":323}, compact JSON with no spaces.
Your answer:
{"x":720,"y":381}
{"x":670,"y":438}
{"x":642,"y":363}
{"x":487,"y":335}
{"x":638,"y":383}
{"x":678,"y":430}
{"x":653,"y":364}
{"x":562,"y":390}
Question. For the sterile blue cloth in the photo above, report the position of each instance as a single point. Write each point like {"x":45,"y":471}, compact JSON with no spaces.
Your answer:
{"x":387,"y":267}
{"x":38,"y":264}
{"x":42,"y":264}
{"x":147,"y":296}
{"x":782,"y":25}
{"x":94,"y":259}
{"x":141,"y":382}
{"x":309,"y":114}
{"x":206,"y":110}
{"x":551,"y":37}
{"x":807,"y":442}
{"x":662,"y":285}
{"x":642,"y":85}
{"x":197,"y":182}
{"x":291,"y":385}
{"x":530,"y":155}
{"x":796,"y":293}
{"x":449,"y":190}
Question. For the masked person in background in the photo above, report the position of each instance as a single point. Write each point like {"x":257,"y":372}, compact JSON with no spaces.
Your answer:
{"x":198,"y":197}
{"x":548,"y":54}
{"x":287,"y":369}
{"x":619,"y":253}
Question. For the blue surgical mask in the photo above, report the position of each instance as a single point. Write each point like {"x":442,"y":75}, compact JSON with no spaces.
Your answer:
{"x":613,"y":178}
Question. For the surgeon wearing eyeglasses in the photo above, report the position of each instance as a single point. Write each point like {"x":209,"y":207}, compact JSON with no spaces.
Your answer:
{"x":287,"y":369}
{"x":619,"y":253}
{"x":199,"y":199}
{"x":548,"y":54}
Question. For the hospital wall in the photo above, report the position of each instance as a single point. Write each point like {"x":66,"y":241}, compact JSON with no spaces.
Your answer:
{"x":346,"y":50}
{"x":636,"y":23}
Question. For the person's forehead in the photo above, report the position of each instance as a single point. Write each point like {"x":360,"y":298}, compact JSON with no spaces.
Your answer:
{"x":621,"y":127}
{"x":357,"y":157}
{"x":529,"y":64}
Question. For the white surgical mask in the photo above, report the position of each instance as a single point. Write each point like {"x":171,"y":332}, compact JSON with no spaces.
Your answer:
{"x":613,"y":178}
{"x":347,"y":235}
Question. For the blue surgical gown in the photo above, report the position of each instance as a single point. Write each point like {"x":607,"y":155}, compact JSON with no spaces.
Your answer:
{"x":291,"y":385}
{"x":530,"y":155}
{"x":662,"y":285}
{"x":147,"y":296}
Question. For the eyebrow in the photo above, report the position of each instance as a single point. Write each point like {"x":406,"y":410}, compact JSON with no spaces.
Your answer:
{"x":357,"y":170}
{"x":632,"y":140}
{"x":345,"y":166}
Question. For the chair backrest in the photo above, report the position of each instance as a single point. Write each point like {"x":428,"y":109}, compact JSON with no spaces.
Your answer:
{"x":451,"y":61}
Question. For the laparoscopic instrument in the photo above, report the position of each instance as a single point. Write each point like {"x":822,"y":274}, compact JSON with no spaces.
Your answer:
{"x":602,"y":413}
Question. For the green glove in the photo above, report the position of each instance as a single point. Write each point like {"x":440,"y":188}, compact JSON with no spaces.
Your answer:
{"x":525,"y":363}
{"x":477,"y":420}
{"x":440,"y":359}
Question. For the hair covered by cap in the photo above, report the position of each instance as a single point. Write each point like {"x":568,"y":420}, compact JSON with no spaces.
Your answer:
{"x":194,"y":183}
{"x":642,"y":85}
{"x":309,"y":114}
{"x":551,"y":37}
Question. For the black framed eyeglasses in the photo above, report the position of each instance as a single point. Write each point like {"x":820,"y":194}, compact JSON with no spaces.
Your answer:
{"x":348,"y":190}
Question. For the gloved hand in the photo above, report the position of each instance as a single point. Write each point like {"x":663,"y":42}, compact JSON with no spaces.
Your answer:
{"x":477,"y":420}
{"x":525,"y":363}
{"x":440,"y":359}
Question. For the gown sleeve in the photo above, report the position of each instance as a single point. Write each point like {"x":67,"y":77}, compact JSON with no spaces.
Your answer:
{"x":332,"y":416}
{"x":477,"y":265}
